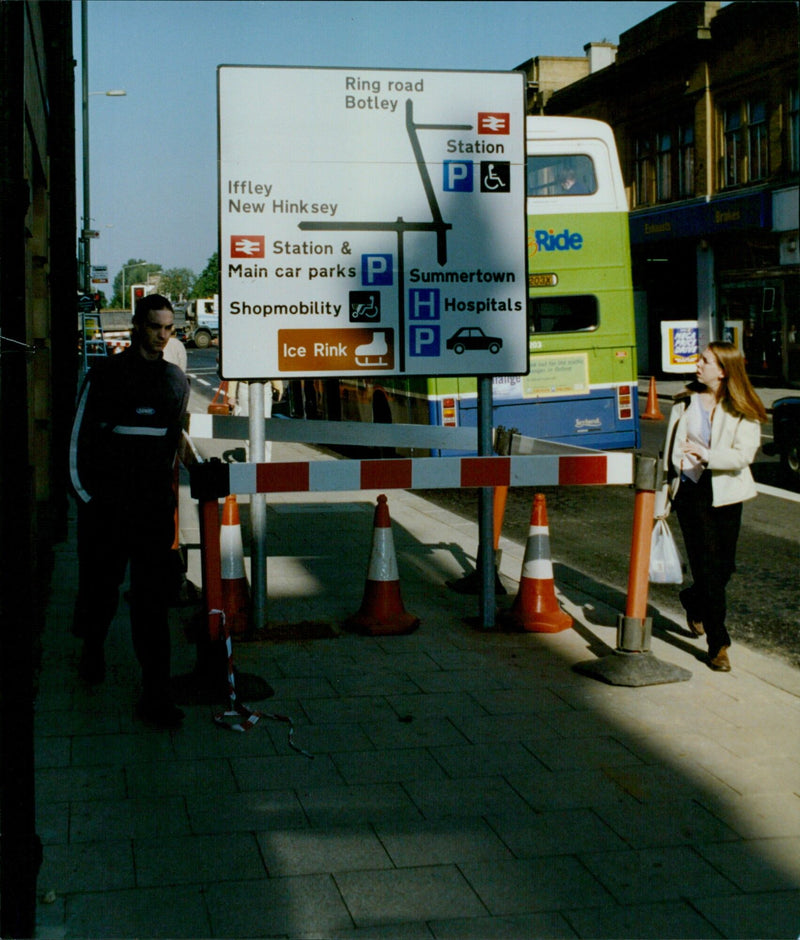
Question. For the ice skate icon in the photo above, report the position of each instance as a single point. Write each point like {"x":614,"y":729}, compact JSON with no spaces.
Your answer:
{"x":374,"y":352}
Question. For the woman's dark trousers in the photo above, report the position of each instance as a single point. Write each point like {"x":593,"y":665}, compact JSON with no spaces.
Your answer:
{"x":710,"y":535}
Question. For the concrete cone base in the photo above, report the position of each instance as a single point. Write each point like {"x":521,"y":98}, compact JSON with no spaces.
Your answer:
{"x":632,"y":669}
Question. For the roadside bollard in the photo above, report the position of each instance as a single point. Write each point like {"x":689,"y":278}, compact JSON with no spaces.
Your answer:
{"x":209,"y":682}
{"x":634,"y":627}
{"x":632,"y":663}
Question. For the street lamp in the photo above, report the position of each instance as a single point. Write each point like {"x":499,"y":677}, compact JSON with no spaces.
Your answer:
{"x":86,"y":233}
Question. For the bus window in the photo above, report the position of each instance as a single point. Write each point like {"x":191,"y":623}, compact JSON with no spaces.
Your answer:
{"x":562,"y":314}
{"x":571,"y":175}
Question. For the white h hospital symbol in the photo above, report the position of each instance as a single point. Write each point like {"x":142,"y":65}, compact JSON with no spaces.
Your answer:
{"x":423,"y":304}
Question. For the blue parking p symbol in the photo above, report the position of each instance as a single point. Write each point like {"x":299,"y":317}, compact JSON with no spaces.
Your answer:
{"x":376,"y":269}
{"x":424,"y":340}
{"x":457,"y":176}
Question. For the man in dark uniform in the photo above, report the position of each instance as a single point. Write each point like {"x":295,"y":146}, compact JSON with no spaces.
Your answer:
{"x":122,"y":450}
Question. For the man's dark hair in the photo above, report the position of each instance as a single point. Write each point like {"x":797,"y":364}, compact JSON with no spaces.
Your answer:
{"x":147,"y":303}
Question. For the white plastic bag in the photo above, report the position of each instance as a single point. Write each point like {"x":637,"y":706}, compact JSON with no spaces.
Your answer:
{"x":665,"y":562}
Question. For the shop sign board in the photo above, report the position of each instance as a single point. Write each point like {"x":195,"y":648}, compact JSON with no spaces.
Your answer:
{"x":371,"y":222}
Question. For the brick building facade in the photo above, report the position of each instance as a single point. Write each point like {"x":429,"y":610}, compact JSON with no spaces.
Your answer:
{"x":703,"y":99}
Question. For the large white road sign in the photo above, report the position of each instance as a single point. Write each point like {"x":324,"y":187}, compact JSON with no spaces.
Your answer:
{"x":371,"y":222}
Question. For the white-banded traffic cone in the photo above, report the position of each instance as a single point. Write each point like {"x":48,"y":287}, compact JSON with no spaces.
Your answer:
{"x":535,"y":607}
{"x":235,"y":589}
{"x":382,"y":612}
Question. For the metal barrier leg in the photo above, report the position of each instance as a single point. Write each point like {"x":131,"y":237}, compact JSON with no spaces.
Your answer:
{"x":211,"y":563}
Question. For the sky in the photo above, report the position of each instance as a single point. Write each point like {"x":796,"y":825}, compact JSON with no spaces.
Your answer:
{"x":153,"y":153}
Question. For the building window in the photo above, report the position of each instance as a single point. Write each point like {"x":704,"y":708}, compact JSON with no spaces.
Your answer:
{"x":685,"y":160}
{"x":644,"y":173}
{"x":745,"y":147}
{"x":663,"y":167}
{"x":757,"y":145}
{"x":793,"y":131}
{"x":732,"y":151}
{"x":663,"y":164}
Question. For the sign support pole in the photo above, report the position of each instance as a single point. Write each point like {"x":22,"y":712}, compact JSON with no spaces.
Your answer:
{"x":258,"y":510}
{"x":486,"y":508}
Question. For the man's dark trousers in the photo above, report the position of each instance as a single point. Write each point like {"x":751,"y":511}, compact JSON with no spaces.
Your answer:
{"x":108,"y":539}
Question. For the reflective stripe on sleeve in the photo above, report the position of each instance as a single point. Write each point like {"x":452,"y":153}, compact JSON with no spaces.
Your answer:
{"x":138,"y":431}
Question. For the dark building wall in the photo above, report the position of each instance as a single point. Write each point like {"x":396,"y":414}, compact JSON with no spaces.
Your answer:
{"x":38,"y":363}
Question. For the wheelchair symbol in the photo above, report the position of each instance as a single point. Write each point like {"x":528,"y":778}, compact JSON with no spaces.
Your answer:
{"x":367,"y":311}
{"x":365,"y":305}
{"x":492,"y":180}
{"x":495,"y":177}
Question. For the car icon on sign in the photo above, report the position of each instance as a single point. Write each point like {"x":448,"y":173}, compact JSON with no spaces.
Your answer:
{"x":473,"y":337}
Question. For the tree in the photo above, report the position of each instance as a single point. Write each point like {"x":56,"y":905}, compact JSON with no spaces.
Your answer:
{"x":177,"y":283}
{"x":208,"y":283}
{"x":134,"y":271}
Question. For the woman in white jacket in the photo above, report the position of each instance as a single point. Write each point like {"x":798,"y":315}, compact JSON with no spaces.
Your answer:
{"x":714,"y":433}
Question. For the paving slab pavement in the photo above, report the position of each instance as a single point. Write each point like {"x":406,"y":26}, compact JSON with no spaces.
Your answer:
{"x":464,"y":783}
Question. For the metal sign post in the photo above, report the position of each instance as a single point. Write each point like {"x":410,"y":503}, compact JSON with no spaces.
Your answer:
{"x":258,"y":508}
{"x":486,"y":509}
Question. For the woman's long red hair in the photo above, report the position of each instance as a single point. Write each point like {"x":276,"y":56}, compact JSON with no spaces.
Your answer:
{"x":735,"y":389}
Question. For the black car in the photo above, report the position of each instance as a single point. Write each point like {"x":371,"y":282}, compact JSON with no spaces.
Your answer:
{"x":786,"y":438}
{"x":473,"y":337}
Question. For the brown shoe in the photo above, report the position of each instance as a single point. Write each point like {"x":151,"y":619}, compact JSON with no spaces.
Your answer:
{"x":695,"y":626}
{"x":693,"y":622}
{"x":720,"y":662}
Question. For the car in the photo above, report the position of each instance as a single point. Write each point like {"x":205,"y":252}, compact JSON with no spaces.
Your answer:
{"x":473,"y":337}
{"x":786,"y":438}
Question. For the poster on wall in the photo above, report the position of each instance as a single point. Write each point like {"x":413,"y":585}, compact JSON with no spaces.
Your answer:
{"x":679,"y":342}
{"x":678,"y":345}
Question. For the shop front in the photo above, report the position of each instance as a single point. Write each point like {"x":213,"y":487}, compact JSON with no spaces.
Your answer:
{"x":724,"y":263}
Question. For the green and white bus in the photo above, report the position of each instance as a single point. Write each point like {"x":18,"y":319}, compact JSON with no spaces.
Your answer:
{"x":581,"y":388}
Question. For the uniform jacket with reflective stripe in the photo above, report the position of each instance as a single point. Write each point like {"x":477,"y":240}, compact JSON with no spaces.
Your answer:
{"x":126,"y":431}
{"x":734,"y":443}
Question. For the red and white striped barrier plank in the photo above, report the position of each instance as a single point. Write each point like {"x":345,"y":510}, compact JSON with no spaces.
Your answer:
{"x":428,"y":473}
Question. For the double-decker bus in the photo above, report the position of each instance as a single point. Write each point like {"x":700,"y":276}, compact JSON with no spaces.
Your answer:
{"x":581,"y":387}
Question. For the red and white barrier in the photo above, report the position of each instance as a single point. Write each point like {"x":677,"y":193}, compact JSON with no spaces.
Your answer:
{"x":431,"y":473}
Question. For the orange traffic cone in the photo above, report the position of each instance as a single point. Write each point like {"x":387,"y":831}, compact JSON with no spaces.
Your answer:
{"x":235,"y":589}
{"x":535,"y":607}
{"x":652,"y":412}
{"x":382,"y":612}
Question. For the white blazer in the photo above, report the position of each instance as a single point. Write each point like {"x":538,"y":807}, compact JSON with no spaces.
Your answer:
{"x":734,"y":443}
